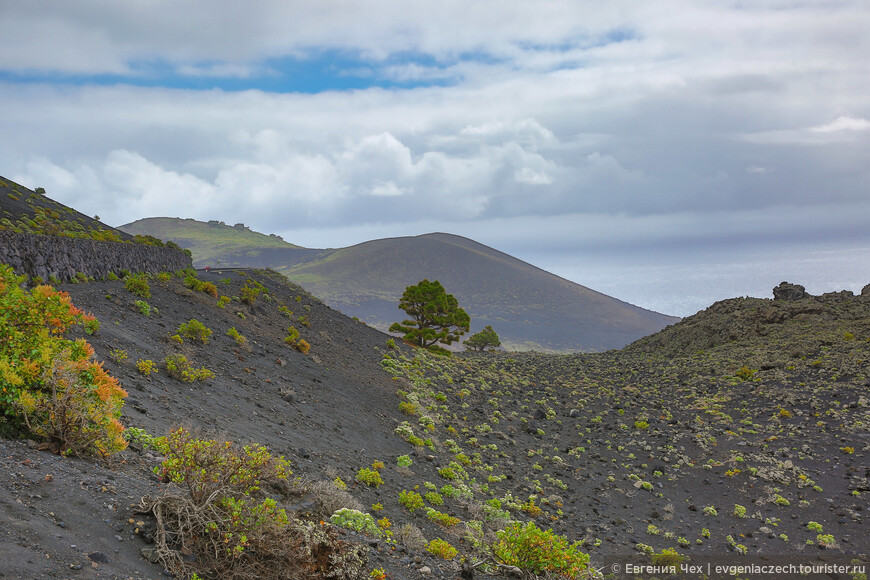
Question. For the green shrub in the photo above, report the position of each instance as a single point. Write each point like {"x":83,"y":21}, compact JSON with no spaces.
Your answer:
{"x":146,"y":367}
{"x":91,"y":326}
{"x":223,"y":301}
{"x":302,"y":346}
{"x":447,"y":473}
{"x":194,"y":330}
{"x":357,"y":521}
{"x":234,"y":334}
{"x":118,"y":355}
{"x":229,"y":532}
{"x":404,"y":461}
{"x":138,"y":285}
{"x":411,"y":500}
{"x":668,"y":557}
{"x":143,"y":307}
{"x":540,"y":552}
{"x":441,"y":518}
{"x":369,"y":477}
{"x":179,"y":368}
{"x":192,"y":282}
{"x":442,"y":549}
{"x":249,"y":292}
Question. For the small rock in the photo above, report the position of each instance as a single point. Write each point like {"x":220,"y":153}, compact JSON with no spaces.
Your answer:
{"x":425,"y":570}
{"x":98,"y":557}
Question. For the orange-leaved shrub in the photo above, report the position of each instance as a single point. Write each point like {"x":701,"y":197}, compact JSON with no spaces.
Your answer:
{"x":50,"y":386}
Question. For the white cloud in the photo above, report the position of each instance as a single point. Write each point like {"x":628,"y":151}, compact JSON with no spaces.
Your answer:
{"x":224,"y":70}
{"x":387,"y":189}
{"x":843,"y":124}
{"x":532,"y":177}
{"x":623,"y":114}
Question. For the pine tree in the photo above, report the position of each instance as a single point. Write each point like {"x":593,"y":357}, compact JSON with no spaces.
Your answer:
{"x":486,"y":338}
{"x":435,"y":316}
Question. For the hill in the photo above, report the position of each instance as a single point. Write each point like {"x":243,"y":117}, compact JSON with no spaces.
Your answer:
{"x":216,"y":244}
{"x":24,"y":210}
{"x":660,"y":445}
{"x":528,"y":307}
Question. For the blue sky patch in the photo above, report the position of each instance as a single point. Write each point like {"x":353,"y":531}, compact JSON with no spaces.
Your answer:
{"x":320,"y":71}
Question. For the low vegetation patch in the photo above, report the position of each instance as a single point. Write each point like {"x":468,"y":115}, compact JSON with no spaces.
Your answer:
{"x":213,"y":511}
{"x":539,"y":552}
{"x":138,"y":285}
{"x":179,"y":368}
{"x":194,"y":330}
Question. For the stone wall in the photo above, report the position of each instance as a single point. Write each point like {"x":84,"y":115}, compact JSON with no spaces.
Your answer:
{"x":63,"y":258}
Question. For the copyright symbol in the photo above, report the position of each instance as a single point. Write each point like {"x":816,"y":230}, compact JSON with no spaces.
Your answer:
{"x":614,"y":568}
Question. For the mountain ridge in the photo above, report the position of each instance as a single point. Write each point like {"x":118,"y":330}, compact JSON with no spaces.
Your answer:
{"x":529,"y":307}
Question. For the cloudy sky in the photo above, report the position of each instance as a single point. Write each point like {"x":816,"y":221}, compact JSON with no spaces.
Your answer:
{"x":666,"y":153}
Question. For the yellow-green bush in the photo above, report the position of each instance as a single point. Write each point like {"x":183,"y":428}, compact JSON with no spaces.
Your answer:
{"x":536,"y":551}
{"x":194,"y":330}
{"x":235,"y":335}
{"x":138,"y":285}
{"x":442,"y":549}
{"x":180,"y":369}
{"x":146,"y":366}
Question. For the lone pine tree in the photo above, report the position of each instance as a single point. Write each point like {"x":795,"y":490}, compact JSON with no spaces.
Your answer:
{"x":435,"y":316}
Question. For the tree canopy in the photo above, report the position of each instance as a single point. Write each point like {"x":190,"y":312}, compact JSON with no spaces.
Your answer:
{"x":435,"y":315}
{"x":486,"y":338}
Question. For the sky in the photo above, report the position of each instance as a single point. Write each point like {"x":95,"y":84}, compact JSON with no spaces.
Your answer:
{"x":669,"y":154}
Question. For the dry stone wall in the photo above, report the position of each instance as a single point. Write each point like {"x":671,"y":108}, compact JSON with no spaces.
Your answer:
{"x":62,"y":258}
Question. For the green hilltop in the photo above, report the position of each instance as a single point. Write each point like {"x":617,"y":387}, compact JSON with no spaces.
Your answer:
{"x":210,"y":242}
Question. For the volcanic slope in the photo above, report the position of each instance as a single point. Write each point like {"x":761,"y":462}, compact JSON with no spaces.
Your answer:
{"x":528,"y":307}
{"x":742,"y":430}
{"x":754,"y":442}
{"x":23,"y":210}
{"x":331,"y":412}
